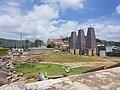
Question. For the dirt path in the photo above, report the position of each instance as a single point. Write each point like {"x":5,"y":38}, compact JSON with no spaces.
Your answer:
{"x":87,"y":64}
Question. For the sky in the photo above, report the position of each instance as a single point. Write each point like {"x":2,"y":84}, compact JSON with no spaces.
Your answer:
{"x":43,"y":19}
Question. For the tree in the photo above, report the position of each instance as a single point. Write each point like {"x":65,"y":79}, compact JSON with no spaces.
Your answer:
{"x":65,"y":38}
{"x":0,"y":44}
{"x":27,"y":44}
{"x":51,"y":45}
{"x":38,"y":42}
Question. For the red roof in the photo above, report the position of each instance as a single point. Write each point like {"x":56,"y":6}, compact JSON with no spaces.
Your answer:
{"x":55,"y":40}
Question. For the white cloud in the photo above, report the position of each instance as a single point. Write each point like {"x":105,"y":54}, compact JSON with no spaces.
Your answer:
{"x":108,"y":31}
{"x":43,"y":12}
{"x":66,"y":28}
{"x":66,"y":4}
{"x":43,"y":22}
{"x":10,"y":8}
{"x":13,"y":3}
{"x":9,"y":21}
{"x":35,"y":24}
{"x":118,"y":9}
{"x":104,"y":30}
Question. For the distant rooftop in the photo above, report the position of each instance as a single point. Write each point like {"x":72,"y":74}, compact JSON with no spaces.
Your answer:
{"x":55,"y":40}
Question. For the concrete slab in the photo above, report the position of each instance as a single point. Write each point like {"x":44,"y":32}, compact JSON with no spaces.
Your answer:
{"x":108,"y":79}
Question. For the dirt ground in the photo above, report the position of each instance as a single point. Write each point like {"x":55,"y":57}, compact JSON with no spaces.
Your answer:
{"x":99,"y":62}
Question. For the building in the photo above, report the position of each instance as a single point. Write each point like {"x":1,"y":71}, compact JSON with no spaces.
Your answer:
{"x":116,"y":51}
{"x":113,"y":51}
{"x":83,"y":45}
{"x":91,"y":46}
{"x":81,"y":42}
{"x":0,"y":46}
{"x":73,"y":43}
{"x":101,"y":51}
{"x":56,"y":41}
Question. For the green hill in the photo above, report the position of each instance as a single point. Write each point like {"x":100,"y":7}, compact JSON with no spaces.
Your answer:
{"x":8,"y":43}
{"x":108,"y":43}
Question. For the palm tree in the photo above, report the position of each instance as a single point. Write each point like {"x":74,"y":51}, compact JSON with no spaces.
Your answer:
{"x":38,"y":42}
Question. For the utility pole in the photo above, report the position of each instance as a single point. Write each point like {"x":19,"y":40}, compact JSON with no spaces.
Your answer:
{"x":20,"y":40}
{"x":20,"y":36}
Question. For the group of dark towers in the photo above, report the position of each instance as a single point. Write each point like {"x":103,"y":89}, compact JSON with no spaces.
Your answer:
{"x":81,"y":44}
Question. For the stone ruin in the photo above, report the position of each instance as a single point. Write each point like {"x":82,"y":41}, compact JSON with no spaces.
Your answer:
{"x":91,"y":42}
{"x":73,"y":42}
{"x":81,"y":42}
{"x":6,"y":75}
{"x":82,"y":45}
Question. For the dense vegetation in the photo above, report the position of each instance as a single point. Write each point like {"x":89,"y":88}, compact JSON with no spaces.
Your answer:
{"x":51,"y":45}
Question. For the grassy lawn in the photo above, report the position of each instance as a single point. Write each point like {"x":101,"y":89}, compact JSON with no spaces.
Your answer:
{"x":51,"y":69}
{"x":65,"y":57}
{"x":3,"y":51}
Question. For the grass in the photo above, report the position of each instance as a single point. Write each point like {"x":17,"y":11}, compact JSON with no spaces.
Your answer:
{"x":65,"y":57}
{"x":3,"y":51}
{"x":51,"y":69}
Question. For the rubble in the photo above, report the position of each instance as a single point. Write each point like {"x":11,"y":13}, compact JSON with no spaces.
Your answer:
{"x":6,"y":75}
{"x":34,"y":60}
{"x":14,"y":80}
{"x":2,"y":81}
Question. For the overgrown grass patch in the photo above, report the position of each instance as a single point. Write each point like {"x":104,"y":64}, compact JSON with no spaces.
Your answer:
{"x":51,"y":69}
{"x":3,"y":51}
{"x":65,"y":57}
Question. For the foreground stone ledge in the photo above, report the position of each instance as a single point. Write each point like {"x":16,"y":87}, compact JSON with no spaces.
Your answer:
{"x":108,"y":79}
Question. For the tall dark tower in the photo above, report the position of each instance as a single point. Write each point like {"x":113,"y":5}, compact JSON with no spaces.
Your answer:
{"x":91,"y":42}
{"x":73,"y":42}
{"x":81,"y":42}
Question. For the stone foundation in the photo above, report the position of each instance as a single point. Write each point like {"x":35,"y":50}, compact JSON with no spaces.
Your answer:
{"x":77,"y":51}
{"x":91,"y":52}
{"x":72,"y":51}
